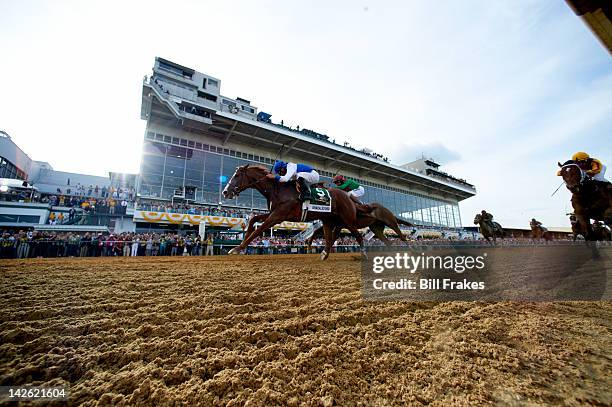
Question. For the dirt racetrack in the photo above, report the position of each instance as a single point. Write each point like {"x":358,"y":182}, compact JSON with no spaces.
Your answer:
{"x":285,"y":330}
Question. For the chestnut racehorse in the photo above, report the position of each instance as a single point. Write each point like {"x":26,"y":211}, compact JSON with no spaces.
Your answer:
{"x":284,"y":205}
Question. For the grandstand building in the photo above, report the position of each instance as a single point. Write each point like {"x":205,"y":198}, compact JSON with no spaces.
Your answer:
{"x":195,"y":138}
{"x":14,"y":163}
{"x":32,"y":193}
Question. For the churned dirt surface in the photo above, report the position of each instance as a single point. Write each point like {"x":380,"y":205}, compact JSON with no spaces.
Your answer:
{"x":285,"y":330}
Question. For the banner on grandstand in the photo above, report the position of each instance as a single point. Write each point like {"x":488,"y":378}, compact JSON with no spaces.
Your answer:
{"x":186,"y":219}
{"x":220,"y":221}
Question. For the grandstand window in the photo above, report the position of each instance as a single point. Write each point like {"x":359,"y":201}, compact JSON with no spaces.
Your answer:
{"x":150,"y":135}
{"x":207,"y":96}
{"x":8,"y":218}
{"x":178,"y":152}
{"x":205,"y":170}
{"x":170,"y":68}
{"x":151,"y":179}
{"x":154,"y":148}
{"x":213,"y":82}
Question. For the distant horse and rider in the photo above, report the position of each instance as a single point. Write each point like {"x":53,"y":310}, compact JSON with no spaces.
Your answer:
{"x":489,"y":229}
{"x":539,"y":232}
{"x":591,"y":193}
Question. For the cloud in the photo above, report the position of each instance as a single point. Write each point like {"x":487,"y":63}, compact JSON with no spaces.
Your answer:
{"x":410,"y":152}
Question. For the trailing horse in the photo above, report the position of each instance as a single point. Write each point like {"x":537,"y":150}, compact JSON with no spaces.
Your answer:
{"x":376,"y":220}
{"x":590,"y":199}
{"x":489,"y":232}
{"x":284,"y":205}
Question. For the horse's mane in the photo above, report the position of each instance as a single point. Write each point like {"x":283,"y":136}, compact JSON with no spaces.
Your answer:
{"x":258,"y":167}
{"x":568,"y":162}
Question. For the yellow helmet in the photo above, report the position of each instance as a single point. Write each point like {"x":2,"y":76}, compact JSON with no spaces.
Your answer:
{"x":580,"y":156}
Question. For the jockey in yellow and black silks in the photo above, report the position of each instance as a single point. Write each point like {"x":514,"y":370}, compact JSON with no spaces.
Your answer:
{"x":593,"y":168}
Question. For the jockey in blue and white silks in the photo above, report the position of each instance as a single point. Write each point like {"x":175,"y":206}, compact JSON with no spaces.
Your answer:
{"x":303,"y":174}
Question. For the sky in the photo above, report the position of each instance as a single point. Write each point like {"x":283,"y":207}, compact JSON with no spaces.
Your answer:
{"x":497,"y":92}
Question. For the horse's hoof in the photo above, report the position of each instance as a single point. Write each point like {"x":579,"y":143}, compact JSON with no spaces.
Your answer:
{"x":324,"y":255}
{"x":234,"y":251}
{"x":364,"y":255}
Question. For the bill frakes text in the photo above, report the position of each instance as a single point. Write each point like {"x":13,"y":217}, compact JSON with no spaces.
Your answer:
{"x":398,"y":266}
{"x":427,"y":284}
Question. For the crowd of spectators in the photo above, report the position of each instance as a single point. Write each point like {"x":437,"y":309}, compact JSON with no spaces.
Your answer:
{"x":49,"y":244}
{"x":44,"y":244}
{"x":102,"y":200}
{"x":33,"y":244}
{"x":325,"y":138}
{"x":95,"y":191}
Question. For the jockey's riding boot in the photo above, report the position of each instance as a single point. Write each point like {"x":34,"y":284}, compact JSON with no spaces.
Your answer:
{"x":304,"y":190}
{"x":361,"y":207}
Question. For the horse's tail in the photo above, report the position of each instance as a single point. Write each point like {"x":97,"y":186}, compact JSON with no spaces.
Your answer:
{"x":403,"y":222}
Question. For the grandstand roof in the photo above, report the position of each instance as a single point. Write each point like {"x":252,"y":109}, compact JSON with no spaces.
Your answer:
{"x":597,"y":15}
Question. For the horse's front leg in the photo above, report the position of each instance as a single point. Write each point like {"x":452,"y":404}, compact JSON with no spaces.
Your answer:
{"x":273,"y":219}
{"x":254,"y":219}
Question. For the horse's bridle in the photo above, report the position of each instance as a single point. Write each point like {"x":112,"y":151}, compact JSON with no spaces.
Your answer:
{"x":582,"y":173}
{"x":238,"y":189}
